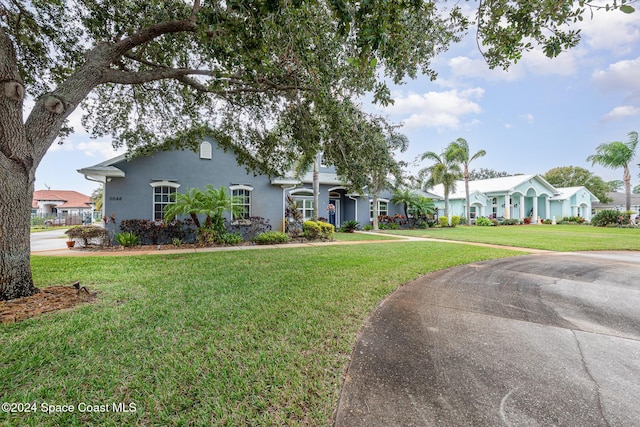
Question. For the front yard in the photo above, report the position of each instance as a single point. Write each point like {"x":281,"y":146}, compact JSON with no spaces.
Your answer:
{"x":223,"y":338}
{"x":550,"y":237}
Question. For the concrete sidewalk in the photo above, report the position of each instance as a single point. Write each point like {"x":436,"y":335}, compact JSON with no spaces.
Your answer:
{"x":61,"y":250}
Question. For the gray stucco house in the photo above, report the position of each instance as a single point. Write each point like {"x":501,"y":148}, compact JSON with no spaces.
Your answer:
{"x":140,"y":188}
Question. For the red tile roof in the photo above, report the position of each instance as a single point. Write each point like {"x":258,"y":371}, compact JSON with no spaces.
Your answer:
{"x":71,"y":199}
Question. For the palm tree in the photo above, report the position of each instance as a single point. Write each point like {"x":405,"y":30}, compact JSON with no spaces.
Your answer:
{"x":444,"y":171}
{"x":616,"y":155}
{"x":214,"y":203}
{"x":211,"y":202}
{"x":405,"y":197}
{"x":459,"y":150}
{"x":423,"y":206}
{"x":189,"y":203}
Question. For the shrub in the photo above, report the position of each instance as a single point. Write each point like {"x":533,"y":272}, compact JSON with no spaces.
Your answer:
{"x":271,"y":238}
{"x":610,"y":217}
{"x":250,"y":227}
{"x":455,"y":220}
{"x":547,"y":221}
{"x":511,"y":221}
{"x":318,"y":230}
{"x":159,"y":232}
{"x":443,"y":221}
{"x":484,"y":222}
{"x":349,"y":226}
{"x":230,"y":238}
{"x":573,"y":219}
{"x":127,"y":239}
{"x":367,"y":227}
{"x":88,"y":233}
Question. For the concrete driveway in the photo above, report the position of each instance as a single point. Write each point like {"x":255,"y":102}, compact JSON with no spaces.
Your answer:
{"x":48,"y":240}
{"x":537,"y":340}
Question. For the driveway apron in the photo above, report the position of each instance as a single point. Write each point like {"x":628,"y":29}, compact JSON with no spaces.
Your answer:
{"x":545,"y":339}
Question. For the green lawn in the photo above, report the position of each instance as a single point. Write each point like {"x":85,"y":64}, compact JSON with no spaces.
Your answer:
{"x":353,"y":237}
{"x":551,"y":237}
{"x":222,"y":338}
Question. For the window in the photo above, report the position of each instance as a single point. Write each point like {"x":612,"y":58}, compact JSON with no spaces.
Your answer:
{"x":304,"y":202}
{"x":205,"y":150}
{"x":243,"y":194}
{"x":163,"y":194}
{"x":383,"y":208}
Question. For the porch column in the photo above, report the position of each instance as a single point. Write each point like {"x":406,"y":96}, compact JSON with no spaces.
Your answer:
{"x":548,"y":207}
{"x":534,"y":219}
{"x":522,"y":206}
{"x":507,"y":203}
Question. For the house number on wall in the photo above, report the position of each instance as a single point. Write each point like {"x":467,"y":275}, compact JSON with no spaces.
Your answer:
{"x":114,"y":198}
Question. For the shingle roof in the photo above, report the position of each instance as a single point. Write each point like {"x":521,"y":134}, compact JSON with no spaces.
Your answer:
{"x":487,"y":186}
{"x":70,"y":199}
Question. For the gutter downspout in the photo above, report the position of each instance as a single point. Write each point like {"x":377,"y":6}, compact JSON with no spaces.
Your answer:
{"x":284,"y":204}
{"x":104,"y":190}
{"x":356,"y":203}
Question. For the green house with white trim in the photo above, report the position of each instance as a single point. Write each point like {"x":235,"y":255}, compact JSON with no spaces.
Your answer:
{"x":517,"y":197}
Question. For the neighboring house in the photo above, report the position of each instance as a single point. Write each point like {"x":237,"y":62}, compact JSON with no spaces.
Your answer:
{"x":69,"y":205}
{"x":619,"y":203}
{"x":518,"y":197}
{"x":139,"y":188}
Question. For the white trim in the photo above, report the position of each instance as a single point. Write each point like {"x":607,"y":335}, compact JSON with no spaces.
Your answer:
{"x":164,"y":182}
{"x":206,"y":150}
{"x":240,"y":187}
{"x":302,"y":192}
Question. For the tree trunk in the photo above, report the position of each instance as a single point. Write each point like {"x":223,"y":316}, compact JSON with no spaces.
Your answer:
{"x":17,"y":175}
{"x":466,"y":190}
{"x":627,"y":187}
{"x":16,"y":187}
{"x":374,"y":209}
{"x":316,"y":188}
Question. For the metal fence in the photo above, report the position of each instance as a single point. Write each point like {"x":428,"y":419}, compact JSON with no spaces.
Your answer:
{"x":59,"y":220}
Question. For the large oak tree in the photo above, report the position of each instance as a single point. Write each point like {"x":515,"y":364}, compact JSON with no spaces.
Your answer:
{"x":162,"y":73}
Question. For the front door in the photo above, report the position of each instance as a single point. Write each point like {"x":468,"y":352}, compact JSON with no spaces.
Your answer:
{"x":334,"y":214}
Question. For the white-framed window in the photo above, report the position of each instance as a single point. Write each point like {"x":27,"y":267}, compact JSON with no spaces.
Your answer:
{"x":305,"y":205}
{"x":163,"y":194}
{"x":304,"y":202}
{"x":206,"y":152}
{"x":243,"y":194}
{"x":383,"y":208}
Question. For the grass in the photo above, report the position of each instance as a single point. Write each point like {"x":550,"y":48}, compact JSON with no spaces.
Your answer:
{"x":357,"y":237}
{"x":222,"y":338}
{"x":561,"y":238}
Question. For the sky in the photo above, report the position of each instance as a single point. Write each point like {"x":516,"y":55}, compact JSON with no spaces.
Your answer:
{"x":540,"y":114}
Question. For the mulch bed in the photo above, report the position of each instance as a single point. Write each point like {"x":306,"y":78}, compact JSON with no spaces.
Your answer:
{"x":46,"y":300}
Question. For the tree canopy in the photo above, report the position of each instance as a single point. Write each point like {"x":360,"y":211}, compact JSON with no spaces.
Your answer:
{"x":574,"y":176}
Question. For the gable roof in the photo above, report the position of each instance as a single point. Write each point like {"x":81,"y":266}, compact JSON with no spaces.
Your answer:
{"x":492,"y":185}
{"x":105,"y":169}
{"x":619,"y":200}
{"x":64,"y":198}
{"x":566,"y":193}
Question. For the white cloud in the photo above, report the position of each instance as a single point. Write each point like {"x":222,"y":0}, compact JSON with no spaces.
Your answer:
{"x":98,"y":150}
{"x":620,"y":76}
{"x":612,"y":31}
{"x":528,"y":117}
{"x":565,"y":64}
{"x":463,"y":66}
{"x":437,"y":109}
{"x":621,"y":113}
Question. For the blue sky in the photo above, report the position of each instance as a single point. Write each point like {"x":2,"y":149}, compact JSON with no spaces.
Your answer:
{"x":540,"y":114}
